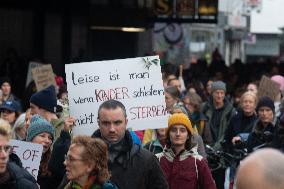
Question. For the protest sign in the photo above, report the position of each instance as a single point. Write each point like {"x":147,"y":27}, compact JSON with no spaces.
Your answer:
{"x":29,"y":74}
{"x":43,"y":76}
{"x":136,"y":82}
{"x":269,"y":88}
{"x":29,"y":153}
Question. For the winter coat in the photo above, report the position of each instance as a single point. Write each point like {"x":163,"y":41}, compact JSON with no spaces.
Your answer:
{"x":188,"y":170}
{"x":58,"y":125}
{"x":134,"y":167}
{"x":20,"y":178}
{"x":155,"y":146}
{"x":238,"y":124}
{"x":60,"y":149}
{"x":278,"y":140}
{"x":208,"y":111}
{"x":256,"y":137}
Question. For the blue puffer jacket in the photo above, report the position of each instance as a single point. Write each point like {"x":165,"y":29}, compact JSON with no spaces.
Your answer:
{"x":20,"y":178}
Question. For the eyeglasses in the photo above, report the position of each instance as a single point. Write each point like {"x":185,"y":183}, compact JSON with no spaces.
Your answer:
{"x":5,"y":149}
{"x":71,"y":159}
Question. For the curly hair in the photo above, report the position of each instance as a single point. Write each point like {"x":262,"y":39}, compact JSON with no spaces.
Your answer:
{"x":95,"y":151}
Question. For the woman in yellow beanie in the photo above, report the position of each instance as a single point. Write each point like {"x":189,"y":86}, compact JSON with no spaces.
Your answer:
{"x":180,"y":161}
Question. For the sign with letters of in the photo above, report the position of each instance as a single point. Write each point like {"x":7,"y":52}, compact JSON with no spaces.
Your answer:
{"x":43,"y":76}
{"x":29,"y":153}
{"x":136,"y":82}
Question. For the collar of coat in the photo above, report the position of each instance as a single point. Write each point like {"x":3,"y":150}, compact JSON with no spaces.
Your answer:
{"x":127,"y":140}
{"x":259,"y":128}
{"x":170,"y":155}
{"x":121,"y":151}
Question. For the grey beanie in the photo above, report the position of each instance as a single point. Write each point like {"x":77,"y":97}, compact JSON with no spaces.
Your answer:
{"x":218,"y":85}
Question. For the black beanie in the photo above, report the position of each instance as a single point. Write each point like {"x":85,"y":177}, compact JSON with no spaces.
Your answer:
{"x":45,"y":99}
{"x":267,"y":102}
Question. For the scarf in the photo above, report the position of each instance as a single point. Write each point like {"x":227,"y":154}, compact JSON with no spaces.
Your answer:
{"x":115,"y":150}
{"x":90,"y":184}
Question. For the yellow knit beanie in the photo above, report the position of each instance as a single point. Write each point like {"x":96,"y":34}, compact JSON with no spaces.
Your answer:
{"x":179,"y":118}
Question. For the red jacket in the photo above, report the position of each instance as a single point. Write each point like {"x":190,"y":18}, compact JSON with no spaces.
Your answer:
{"x":186,"y":171}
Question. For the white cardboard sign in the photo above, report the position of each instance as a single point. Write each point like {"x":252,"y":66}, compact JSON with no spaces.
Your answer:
{"x":29,"y":153}
{"x":136,"y":82}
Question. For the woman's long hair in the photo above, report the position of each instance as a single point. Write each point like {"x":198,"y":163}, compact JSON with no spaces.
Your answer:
{"x":43,"y":167}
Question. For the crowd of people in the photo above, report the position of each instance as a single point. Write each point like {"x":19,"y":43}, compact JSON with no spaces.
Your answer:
{"x":217,"y":113}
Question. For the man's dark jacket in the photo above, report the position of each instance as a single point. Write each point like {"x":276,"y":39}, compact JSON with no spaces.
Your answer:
{"x":257,"y":138}
{"x":19,"y":178}
{"x":135,"y":167}
{"x":226,"y":113}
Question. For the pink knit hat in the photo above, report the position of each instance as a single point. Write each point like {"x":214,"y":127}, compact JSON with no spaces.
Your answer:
{"x":280,"y":80}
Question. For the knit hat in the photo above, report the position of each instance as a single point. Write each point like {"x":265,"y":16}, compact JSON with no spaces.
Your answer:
{"x":179,"y":118}
{"x":11,"y":105}
{"x":267,"y":102}
{"x":280,"y":80}
{"x":39,"y":125}
{"x":218,"y":85}
{"x":45,"y":99}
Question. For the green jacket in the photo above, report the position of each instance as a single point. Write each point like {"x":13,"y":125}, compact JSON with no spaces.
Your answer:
{"x":227,"y":113}
{"x":58,"y":125}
